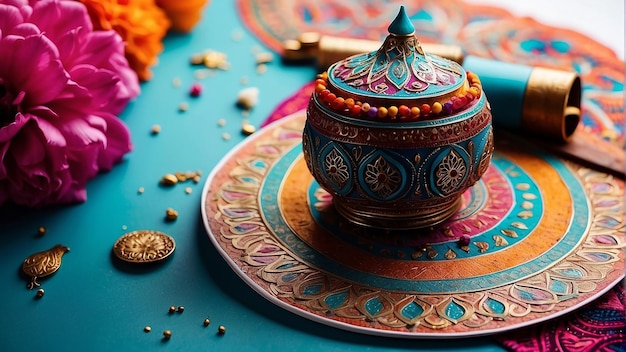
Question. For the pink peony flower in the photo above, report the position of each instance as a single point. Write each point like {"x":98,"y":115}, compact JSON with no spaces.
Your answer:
{"x":61,"y":86}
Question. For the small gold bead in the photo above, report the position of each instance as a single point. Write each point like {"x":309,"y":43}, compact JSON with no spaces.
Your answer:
{"x":221,"y":330}
{"x":155,"y":129}
{"x":40,"y":293}
{"x":147,"y":329}
{"x":169,"y":180}
{"x":225,"y":136}
{"x":181,"y":309}
{"x":248,"y":129}
{"x":196,"y":178}
{"x":140,"y":190}
{"x":181,"y":176}
{"x":183,"y":107}
{"x":188,"y":190}
{"x":167,"y":334}
{"x":206,"y":322}
{"x":41,"y":230}
{"x":221,"y":122}
{"x":171,"y":214}
{"x":172,"y":309}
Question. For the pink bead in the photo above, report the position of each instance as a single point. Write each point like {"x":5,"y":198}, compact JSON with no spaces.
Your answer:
{"x":195,"y":90}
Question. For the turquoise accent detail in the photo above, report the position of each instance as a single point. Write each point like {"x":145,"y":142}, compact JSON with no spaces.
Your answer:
{"x":312,"y":289}
{"x":561,"y":46}
{"x":259,"y":164}
{"x":285,"y":266}
{"x":495,"y":306}
{"x":507,"y":84}
{"x":412,"y":310}
{"x":402,"y":24}
{"x":571,"y":272}
{"x":373,"y":306}
{"x":422,"y":15}
{"x":526,"y":295}
{"x":558,"y":286}
{"x":455,"y":311}
{"x":336,"y":300}
{"x":289,"y":277}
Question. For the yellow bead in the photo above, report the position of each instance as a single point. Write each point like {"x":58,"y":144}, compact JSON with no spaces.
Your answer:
{"x":437,"y":107}
{"x":349,"y":103}
{"x":392,"y":111}
{"x":415,"y":111}
{"x":382,"y":112}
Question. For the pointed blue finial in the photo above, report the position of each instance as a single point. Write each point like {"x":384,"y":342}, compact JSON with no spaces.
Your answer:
{"x":402,"y":24}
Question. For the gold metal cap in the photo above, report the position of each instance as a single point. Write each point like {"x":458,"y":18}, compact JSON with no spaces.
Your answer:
{"x":551,"y":105}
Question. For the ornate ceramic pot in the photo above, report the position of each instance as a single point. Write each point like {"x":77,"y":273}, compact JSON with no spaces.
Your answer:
{"x":397,"y":135}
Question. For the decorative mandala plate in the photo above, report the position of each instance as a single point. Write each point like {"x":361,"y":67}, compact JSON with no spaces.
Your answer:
{"x":546,"y":238}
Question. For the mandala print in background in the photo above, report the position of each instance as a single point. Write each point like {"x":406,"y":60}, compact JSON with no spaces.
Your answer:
{"x":483,"y":31}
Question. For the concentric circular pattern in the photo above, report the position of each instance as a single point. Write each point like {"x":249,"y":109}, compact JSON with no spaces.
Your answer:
{"x":144,"y":246}
{"x":534,"y":239}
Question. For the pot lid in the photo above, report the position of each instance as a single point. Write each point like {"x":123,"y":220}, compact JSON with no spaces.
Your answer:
{"x":398,"y":76}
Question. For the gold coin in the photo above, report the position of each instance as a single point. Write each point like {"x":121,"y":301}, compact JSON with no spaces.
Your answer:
{"x":144,"y":246}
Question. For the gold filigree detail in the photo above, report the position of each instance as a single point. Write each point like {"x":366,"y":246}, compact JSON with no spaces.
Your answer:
{"x":144,"y":246}
{"x":42,"y":264}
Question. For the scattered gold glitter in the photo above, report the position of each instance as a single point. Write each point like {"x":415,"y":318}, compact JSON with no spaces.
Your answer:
{"x":225,"y":136}
{"x":247,"y":98}
{"x":155,"y":129}
{"x":188,"y":190}
{"x":243,"y":80}
{"x":140,"y":190}
{"x":41,"y":231}
{"x":261,"y":69}
{"x":147,"y":329}
{"x":183,"y":107}
{"x":171,"y":214}
{"x":206,"y":322}
{"x":221,"y":122}
{"x":221,"y":330}
{"x":144,"y":246}
{"x":264,"y":58}
{"x":176,"y":82}
{"x":40,"y":293}
{"x":42,"y":264}
{"x":247,"y":129}
{"x":169,"y":180}
{"x":167,"y":334}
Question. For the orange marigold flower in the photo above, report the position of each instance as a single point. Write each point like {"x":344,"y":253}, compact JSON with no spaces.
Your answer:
{"x":141,"y":24}
{"x":184,"y":14}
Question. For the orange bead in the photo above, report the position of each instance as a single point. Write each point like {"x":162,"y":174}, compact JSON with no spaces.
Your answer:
{"x":382,"y":112}
{"x":349,"y":103}
{"x":404,"y":111}
{"x":436,"y":108}
{"x":355,"y":110}
{"x":392,"y":112}
{"x":337,"y":104}
{"x":415,"y":112}
{"x":425,"y":108}
{"x":319,"y":88}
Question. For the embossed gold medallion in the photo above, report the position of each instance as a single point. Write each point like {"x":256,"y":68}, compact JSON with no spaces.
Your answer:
{"x":43,"y":263}
{"x":144,"y":246}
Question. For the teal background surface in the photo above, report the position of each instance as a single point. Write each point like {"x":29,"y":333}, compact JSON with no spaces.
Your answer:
{"x":96,"y":303}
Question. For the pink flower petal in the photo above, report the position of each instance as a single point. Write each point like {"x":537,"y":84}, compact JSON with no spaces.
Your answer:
{"x":55,"y":18}
{"x":45,"y":77}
